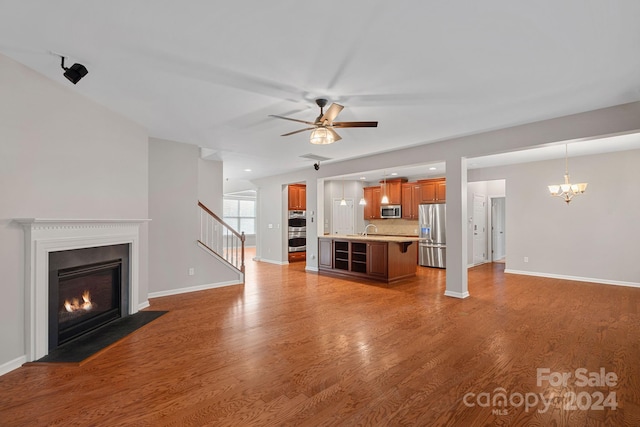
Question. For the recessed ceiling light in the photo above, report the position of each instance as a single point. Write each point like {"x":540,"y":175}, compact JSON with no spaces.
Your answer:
{"x":394,"y":173}
{"x":247,"y":170}
{"x":363,"y":178}
{"x":432,"y":168}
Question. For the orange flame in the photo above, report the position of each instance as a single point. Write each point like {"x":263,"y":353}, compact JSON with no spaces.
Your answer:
{"x":74,"y":304}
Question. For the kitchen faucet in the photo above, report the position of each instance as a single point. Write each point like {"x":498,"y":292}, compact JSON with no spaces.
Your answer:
{"x":364,"y":233}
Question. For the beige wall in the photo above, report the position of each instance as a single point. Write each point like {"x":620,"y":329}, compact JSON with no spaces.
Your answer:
{"x":594,"y":237}
{"x":178,"y":178}
{"x":61,"y":156}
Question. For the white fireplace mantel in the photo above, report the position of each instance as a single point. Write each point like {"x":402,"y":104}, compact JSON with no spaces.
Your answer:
{"x":51,"y":235}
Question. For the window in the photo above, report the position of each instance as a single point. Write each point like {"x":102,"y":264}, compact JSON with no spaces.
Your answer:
{"x":240,"y":214}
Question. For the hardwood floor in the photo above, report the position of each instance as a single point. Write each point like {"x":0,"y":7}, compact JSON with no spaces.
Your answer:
{"x":296,"y":348}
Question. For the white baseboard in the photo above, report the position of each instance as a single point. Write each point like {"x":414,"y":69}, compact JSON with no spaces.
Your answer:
{"x":143,"y":305}
{"x":192,"y":289}
{"x":271,"y":261}
{"x":5,"y":368}
{"x":574,"y":278}
{"x":313,"y":269}
{"x":453,"y":294}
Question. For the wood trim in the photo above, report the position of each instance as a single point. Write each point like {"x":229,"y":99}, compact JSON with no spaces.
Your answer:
{"x":294,"y":348}
{"x":207,"y":210}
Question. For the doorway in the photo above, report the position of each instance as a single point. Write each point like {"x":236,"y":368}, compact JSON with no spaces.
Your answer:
{"x":479,"y":229}
{"x":498,"y":229}
{"x":342,"y":217}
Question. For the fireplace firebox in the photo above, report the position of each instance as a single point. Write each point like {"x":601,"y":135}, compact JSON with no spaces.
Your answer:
{"x":88,"y":288}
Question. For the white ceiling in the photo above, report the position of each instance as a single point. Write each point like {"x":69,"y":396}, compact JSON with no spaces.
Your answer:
{"x":545,"y":152}
{"x":210,"y":73}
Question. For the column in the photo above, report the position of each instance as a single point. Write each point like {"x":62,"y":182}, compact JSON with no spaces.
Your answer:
{"x":456,"y":175}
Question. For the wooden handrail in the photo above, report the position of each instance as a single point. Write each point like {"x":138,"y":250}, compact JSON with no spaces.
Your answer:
{"x":231,"y":251}
{"x":207,"y":210}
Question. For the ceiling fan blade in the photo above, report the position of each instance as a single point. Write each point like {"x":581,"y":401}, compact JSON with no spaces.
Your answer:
{"x":297,"y":131}
{"x":331,"y":113}
{"x":293,"y":120}
{"x":336,"y":137}
{"x":355,"y":124}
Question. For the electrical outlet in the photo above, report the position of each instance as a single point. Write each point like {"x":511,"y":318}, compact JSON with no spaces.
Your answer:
{"x":526,"y":259}
{"x":192,"y":271}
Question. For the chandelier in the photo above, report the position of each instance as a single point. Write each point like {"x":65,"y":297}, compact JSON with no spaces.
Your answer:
{"x":567,"y":191}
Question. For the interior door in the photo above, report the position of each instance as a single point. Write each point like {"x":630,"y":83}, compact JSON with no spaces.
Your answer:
{"x":498,"y":228}
{"x":343,"y":217}
{"x":479,"y":229}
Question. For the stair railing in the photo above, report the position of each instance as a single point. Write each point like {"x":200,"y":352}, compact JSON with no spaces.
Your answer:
{"x":220,"y":238}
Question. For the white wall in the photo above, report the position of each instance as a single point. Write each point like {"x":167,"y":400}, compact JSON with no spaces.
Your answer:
{"x":178,"y":178}
{"x":61,"y":156}
{"x":455,"y":151}
{"x":495,"y":188}
{"x":210,"y":184}
{"x":352,"y":190}
{"x":594,"y":237}
{"x":271,"y":228}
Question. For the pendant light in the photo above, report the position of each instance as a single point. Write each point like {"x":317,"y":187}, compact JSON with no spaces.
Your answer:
{"x":363,"y":201}
{"x":385,"y":199}
{"x":567,"y":191}
{"x":343,"y":202}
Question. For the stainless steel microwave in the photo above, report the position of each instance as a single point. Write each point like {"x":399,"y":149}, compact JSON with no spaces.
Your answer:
{"x":391,"y":211}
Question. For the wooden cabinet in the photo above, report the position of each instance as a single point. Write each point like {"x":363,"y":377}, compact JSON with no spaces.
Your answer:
{"x":368,"y":198}
{"x":372,"y":196}
{"x":433,"y":190}
{"x":377,"y":259}
{"x":325,"y":252}
{"x":386,"y":261}
{"x":407,"y":194}
{"x":297,"y":256}
{"x":427,"y":192}
{"x":359,"y":258}
{"x":411,"y":198}
{"x":297,"y":197}
{"x":341,"y":255}
{"x":393,"y":189}
{"x":441,"y":191}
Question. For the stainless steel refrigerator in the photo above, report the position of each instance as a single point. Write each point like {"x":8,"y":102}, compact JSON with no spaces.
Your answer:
{"x":433,"y":235}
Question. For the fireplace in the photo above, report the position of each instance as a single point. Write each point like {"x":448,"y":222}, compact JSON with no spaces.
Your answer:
{"x":88,"y":288}
{"x":47,"y":236}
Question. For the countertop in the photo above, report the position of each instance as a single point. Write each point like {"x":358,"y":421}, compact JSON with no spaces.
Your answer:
{"x":372,"y":237}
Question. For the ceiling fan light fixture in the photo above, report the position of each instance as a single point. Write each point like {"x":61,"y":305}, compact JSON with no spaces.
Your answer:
{"x":321,"y":136}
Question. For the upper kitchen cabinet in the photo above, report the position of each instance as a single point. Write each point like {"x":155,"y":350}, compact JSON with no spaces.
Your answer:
{"x":297,"y":197}
{"x":372,"y":196}
{"x":411,"y":198}
{"x":393,"y":189}
{"x":433,"y":190}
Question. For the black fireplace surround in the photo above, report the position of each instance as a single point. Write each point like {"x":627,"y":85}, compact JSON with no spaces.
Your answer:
{"x":88,"y":288}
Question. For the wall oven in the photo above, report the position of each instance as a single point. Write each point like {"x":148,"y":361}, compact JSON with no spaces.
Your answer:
{"x":297,"y":231}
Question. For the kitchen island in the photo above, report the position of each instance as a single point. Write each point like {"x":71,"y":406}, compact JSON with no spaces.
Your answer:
{"x":376,"y":257}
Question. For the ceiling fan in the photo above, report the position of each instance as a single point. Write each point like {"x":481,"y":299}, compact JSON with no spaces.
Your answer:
{"x":323,"y":126}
